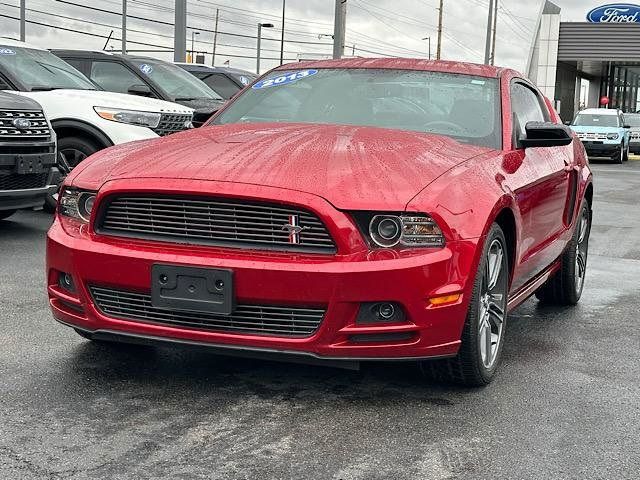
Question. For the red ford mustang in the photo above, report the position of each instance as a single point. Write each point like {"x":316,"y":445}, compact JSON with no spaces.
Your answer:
{"x":364,"y":209}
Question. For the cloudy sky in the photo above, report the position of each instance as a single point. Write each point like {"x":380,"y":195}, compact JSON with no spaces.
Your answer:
{"x":374,"y":27}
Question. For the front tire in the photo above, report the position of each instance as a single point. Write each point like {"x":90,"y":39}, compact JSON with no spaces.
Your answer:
{"x":6,"y":213}
{"x":483,"y":332}
{"x":565,"y":287}
{"x":625,"y":156}
{"x":71,"y":151}
{"x":618,"y":156}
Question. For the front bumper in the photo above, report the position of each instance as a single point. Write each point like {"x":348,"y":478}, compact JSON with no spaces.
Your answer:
{"x":340,"y":283}
{"x":30,"y":197}
{"x":634,"y":147}
{"x":601,"y":149}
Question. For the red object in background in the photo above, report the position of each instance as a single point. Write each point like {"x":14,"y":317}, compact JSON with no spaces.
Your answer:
{"x":604,"y":101}
{"x":327,"y":170}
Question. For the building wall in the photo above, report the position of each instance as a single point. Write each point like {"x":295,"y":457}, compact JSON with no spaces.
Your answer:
{"x":544,"y":55}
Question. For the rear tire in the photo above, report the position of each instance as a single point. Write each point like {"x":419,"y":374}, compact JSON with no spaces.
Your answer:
{"x":566,"y":285}
{"x":6,"y":213}
{"x":484,"y":328}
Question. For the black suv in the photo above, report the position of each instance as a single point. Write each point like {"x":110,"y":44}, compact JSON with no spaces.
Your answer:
{"x":226,"y":81}
{"x":145,"y":76}
{"x":27,"y":155}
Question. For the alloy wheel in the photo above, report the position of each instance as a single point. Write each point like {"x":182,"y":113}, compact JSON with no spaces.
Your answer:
{"x":582,"y":250}
{"x":493,"y":300}
{"x":69,"y":158}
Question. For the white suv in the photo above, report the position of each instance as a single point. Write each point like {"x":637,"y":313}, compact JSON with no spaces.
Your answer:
{"x":84,"y":118}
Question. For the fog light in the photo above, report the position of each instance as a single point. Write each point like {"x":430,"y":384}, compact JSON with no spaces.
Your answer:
{"x":377,"y":312}
{"x":66,"y":281}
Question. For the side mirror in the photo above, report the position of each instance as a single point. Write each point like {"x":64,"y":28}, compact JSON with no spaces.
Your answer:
{"x":567,"y":122}
{"x":546,"y":134}
{"x":626,"y":126}
{"x":141,"y":90}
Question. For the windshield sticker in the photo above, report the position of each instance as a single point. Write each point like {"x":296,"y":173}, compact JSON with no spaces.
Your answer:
{"x":6,"y":51}
{"x":146,"y":68}
{"x":284,"y":79}
{"x":477,"y":82}
{"x":244,"y":80}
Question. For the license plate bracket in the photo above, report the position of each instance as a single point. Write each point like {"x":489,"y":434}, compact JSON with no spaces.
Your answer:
{"x":208,"y":290}
{"x":29,"y":165}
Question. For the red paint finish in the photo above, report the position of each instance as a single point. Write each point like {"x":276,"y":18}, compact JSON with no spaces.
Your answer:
{"x":332,"y":170}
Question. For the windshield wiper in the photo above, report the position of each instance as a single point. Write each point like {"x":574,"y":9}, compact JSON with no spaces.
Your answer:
{"x":47,"y":88}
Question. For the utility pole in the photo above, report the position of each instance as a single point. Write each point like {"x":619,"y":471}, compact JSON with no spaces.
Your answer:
{"x":439,"y":48}
{"x":340,"y":23}
{"x":487,"y":45}
{"x":284,"y":6}
{"x":495,"y":28}
{"x":215,"y":39}
{"x":180,"y":31}
{"x":124,"y":27}
{"x":23,"y":13}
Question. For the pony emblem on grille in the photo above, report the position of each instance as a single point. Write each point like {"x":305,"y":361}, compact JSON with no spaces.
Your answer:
{"x":294,"y":229}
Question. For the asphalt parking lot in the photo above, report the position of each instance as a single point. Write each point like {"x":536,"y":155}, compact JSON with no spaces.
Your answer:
{"x":566,"y":404}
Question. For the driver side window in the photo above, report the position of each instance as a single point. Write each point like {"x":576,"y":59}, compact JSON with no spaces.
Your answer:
{"x":525,"y":107}
{"x":113,"y":77}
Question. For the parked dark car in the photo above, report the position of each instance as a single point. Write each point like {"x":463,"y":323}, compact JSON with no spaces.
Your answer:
{"x":225,"y":81}
{"x":27,"y":155}
{"x":147,"y":77}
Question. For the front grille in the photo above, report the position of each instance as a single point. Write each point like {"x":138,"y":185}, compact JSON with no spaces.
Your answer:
{"x":220,"y":222}
{"x":172,"y":122}
{"x":39,"y":128}
{"x":21,"y":182}
{"x":270,"y":320}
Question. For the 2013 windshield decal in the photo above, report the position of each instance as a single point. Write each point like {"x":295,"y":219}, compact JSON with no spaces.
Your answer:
{"x":284,"y":79}
{"x":615,"y":13}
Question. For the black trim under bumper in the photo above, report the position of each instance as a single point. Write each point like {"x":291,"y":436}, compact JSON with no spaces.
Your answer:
{"x":634,"y":147}
{"x":602,"y":149}
{"x":258,"y":353}
{"x":29,"y":197}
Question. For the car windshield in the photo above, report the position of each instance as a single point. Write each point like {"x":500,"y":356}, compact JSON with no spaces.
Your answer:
{"x":632,"y":120}
{"x":177,"y":83}
{"x":464,"y":107}
{"x":41,"y":70}
{"x":593,"y":120}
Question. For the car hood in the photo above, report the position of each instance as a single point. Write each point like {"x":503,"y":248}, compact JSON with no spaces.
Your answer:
{"x":99,"y":98}
{"x":361,"y":168}
{"x":591,"y":129}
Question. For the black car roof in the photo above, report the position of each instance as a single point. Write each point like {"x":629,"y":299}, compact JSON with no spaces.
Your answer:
{"x":17,"y":102}
{"x":198,"y":67}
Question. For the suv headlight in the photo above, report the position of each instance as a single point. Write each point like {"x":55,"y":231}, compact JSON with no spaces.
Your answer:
{"x":612,"y":136}
{"x":76,"y":204}
{"x":409,"y":230}
{"x":132,"y":117}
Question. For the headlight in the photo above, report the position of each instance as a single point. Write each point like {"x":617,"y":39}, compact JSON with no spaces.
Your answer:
{"x":612,"y":136}
{"x":132,"y":117}
{"x":76,"y":204}
{"x":408,"y":230}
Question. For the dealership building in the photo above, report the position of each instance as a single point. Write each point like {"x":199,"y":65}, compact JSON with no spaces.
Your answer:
{"x":578,"y":63}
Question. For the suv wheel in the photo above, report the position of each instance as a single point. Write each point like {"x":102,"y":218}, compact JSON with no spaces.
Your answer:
{"x":483,"y":333}
{"x":625,"y":157}
{"x":71,"y":151}
{"x":618,"y":156}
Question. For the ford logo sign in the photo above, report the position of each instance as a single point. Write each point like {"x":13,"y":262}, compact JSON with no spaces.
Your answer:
{"x":615,"y":13}
{"x":21,"y":123}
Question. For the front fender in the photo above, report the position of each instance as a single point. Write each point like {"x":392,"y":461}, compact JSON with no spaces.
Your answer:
{"x":467,"y":199}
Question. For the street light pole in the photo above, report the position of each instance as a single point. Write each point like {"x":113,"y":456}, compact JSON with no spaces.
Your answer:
{"x":284,"y":4}
{"x":193,"y":34}
{"x":260,"y":25}
{"x":429,"y":40}
{"x":23,"y":14}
